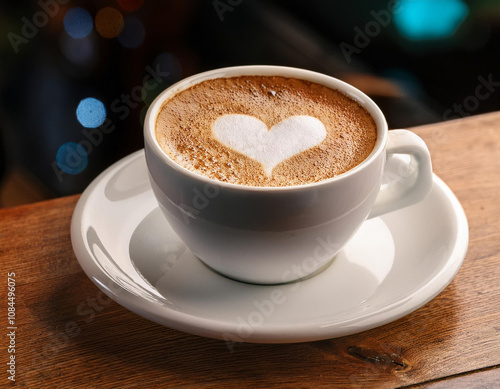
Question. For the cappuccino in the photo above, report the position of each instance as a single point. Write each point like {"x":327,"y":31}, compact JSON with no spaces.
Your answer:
{"x":266,"y":131}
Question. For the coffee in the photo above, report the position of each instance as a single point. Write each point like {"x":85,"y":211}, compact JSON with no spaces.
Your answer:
{"x":265,"y":131}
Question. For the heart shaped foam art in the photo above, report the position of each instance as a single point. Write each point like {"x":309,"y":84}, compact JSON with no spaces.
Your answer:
{"x":250,"y":136}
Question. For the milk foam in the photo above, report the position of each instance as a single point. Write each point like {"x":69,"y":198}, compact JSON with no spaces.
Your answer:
{"x":251,"y":137}
{"x":266,"y":131}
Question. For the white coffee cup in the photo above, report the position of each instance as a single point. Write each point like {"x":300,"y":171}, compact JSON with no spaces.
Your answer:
{"x":271,"y":235}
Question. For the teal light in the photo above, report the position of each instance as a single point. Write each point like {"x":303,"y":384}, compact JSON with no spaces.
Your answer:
{"x":429,"y":19}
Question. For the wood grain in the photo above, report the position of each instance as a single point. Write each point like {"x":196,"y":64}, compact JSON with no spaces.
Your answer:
{"x":488,"y":378}
{"x":72,"y":336}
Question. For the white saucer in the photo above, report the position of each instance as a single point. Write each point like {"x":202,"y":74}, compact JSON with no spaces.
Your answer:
{"x":393,"y":265}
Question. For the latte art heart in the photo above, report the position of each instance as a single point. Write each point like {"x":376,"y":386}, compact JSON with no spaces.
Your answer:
{"x":251,"y":137}
{"x":237,"y":129}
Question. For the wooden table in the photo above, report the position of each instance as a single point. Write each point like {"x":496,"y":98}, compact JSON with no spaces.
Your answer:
{"x":69,"y":335}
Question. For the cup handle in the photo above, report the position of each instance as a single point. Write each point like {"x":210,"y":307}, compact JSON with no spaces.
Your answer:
{"x":404,"y":182}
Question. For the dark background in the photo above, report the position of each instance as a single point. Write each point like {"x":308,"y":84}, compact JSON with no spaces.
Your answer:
{"x":424,"y":63}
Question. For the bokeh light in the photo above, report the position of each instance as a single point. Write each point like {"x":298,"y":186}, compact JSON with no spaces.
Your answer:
{"x":79,"y":51}
{"x":429,"y":19}
{"x":78,"y":23}
{"x":130,"y":5}
{"x":109,"y":22}
{"x":405,"y":80}
{"x":91,"y":112}
{"x":72,"y":158}
{"x":133,"y":33}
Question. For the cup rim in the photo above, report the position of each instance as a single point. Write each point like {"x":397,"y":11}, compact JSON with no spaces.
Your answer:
{"x":266,"y":70}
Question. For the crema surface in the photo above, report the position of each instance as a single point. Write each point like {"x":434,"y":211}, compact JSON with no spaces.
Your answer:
{"x":265,"y":131}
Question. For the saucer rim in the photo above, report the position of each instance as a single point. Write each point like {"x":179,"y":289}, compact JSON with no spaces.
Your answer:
{"x":177,"y":319}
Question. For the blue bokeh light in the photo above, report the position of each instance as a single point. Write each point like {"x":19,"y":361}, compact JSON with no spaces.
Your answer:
{"x":91,"y":112}
{"x":72,"y":158}
{"x":429,"y":19}
{"x":78,"y":23}
{"x":132,"y":34}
